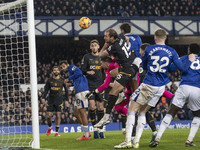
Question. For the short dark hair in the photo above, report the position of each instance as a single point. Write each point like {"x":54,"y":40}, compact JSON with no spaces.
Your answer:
{"x":55,"y":67}
{"x":63,"y":62}
{"x":107,"y":59}
{"x":144,"y":45}
{"x":94,"y":41}
{"x":194,"y":48}
{"x":113,"y":33}
{"x":126,"y":27}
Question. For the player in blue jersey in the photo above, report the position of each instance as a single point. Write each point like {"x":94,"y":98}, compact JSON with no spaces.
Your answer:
{"x":188,"y":91}
{"x":156,"y":61}
{"x":134,"y":40}
{"x":135,"y":43}
{"x":80,"y":83}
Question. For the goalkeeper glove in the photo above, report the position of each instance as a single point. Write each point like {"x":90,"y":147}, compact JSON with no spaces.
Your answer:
{"x":91,"y":93}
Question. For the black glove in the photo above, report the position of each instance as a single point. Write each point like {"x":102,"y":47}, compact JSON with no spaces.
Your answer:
{"x":88,"y":95}
{"x":91,"y":93}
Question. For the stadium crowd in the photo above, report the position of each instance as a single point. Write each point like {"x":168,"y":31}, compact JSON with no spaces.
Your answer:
{"x":123,"y":8}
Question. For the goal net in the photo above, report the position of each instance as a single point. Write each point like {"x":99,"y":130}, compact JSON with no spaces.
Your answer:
{"x":15,"y":102}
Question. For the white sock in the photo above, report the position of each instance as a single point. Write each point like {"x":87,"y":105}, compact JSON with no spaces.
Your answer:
{"x":129,"y":125}
{"x":85,"y":130}
{"x":194,"y":128}
{"x":106,"y":116}
{"x":140,"y":127}
{"x":164,"y":124}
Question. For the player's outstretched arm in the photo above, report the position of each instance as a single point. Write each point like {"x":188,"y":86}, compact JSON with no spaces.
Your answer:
{"x":184,"y":66}
{"x":105,"y":85}
{"x":103,"y":53}
{"x":113,"y":73}
{"x":46,"y":89}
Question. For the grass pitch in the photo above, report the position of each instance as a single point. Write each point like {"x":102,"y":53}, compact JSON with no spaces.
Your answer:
{"x":173,"y":139}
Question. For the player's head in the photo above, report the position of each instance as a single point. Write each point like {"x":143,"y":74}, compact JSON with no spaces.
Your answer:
{"x":105,"y":62}
{"x":64,"y":65}
{"x":56,"y":71}
{"x":193,"y":49}
{"x":160,"y":35}
{"x":142,"y":48}
{"x":110,"y":36}
{"x":125,"y":28}
{"x":94,"y":46}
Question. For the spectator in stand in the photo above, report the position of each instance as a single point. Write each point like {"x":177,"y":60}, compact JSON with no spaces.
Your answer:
{"x":95,"y":8}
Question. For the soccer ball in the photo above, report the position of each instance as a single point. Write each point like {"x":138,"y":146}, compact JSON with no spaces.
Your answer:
{"x":85,"y":22}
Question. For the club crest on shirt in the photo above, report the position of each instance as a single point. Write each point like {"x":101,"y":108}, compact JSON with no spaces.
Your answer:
{"x":73,"y":68}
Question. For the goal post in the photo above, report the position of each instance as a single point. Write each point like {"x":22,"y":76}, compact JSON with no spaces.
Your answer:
{"x":33,"y":74}
{"x":19,"y":121}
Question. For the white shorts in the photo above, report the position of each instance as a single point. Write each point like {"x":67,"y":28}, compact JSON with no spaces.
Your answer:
{"x":147,"y":94}
{"x":137,"y":61}
{"x":80,"y":100}
{"x":187,"y":94}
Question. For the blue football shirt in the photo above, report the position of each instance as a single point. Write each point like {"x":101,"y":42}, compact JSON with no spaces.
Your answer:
{"x":157,"y":60}
{"x":79,"y":80}
{"x":192,"y":75}
{"x":135,"y":42}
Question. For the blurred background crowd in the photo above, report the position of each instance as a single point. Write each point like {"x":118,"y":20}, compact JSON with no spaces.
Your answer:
{"x":123,"y":8}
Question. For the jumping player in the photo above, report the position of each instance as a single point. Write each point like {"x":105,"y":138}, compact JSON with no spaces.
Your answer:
{"x":135,"y":42}
{"x":119,"y":47}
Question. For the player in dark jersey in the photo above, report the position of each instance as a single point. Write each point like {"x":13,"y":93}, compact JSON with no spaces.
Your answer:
{"x":119,"y":47}
{"x":54,"y":87}
{"x":91,"y":67}
{"x":135,"y":41}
